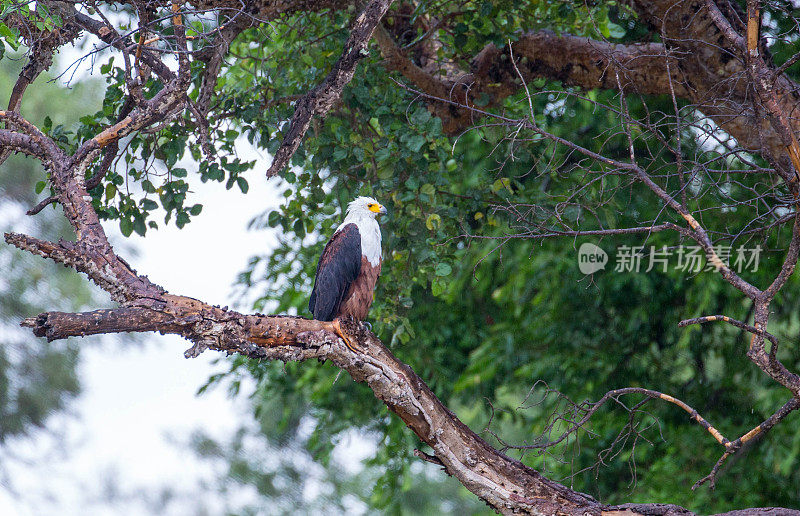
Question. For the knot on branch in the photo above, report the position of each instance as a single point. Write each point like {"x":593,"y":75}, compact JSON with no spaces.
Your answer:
{"x":40,"y":326}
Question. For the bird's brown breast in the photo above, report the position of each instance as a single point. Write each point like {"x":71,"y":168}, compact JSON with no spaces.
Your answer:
{"x":358,"y":299}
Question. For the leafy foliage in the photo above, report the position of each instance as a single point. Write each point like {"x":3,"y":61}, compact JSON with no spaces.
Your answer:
{"x":480,"y":312}
{"x":483,"y":319}
{"x":277,"y":459}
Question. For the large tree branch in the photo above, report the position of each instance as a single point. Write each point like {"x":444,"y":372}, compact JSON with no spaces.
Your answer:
{"x":321,"y":99}
{"x":575,"y":61}
{"x":47,"y":150}
{"x":711,"y":77}
{"x":504,"y":483}
{"x":507,"y":485}
{"x":13,"y":141}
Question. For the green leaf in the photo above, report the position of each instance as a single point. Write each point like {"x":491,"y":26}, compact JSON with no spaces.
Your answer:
{"x":181,"y":219}
{"x":105,"y":68}
{"x":148,"y":187}
{"x":501,"y":183}
{"x":126,"y":226}
{"x":299,"y":228}
{"x":428,"y":189}
{"x":376,"y":126}
{"x":437,"y":287}
{"x":111,"y":191}
{"x":9,"y":35}
{"x":243,"y":186}
{"x":138,"y":226}
{"x":616,"y":31}
{"x":415,"y":142}
{"x":443,"y":269}
{"x":385,"y":173}
{"x":196,"y":209}
{"x":40,"y":186}
{"x":433,"y":221}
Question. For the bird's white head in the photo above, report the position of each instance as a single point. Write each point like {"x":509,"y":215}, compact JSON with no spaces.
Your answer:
{"x":362,"y":207}
{"x":362,"y":212}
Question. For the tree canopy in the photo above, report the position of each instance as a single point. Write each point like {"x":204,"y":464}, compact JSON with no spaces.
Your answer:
{"x":501,"y":137}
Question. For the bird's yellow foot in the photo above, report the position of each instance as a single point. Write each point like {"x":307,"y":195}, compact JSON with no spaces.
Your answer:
{"x":348,"y":340}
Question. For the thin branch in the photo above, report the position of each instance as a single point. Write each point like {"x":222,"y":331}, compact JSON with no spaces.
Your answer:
{"x":759,"y":431}
{"x":109,"y":35}
{"x":614,"y":395}
{"x":44,"y":203}
{"x":733,"y":322}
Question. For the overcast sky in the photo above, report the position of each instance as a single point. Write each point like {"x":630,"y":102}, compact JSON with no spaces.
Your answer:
{"x":137,"y":395}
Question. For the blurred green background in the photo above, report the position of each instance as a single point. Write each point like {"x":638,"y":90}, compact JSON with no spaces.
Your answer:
{"x":491,"y":323}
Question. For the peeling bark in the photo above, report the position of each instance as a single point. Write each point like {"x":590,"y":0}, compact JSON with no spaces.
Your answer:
{"x":693,"y":63}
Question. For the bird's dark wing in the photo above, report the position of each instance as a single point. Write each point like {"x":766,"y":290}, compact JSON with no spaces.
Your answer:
{"x":338,"y":267}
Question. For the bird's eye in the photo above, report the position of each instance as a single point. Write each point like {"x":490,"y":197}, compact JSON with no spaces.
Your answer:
{"x":370,"y":205}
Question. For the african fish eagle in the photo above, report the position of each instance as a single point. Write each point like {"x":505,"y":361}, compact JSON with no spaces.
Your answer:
{"x":349,"y":266}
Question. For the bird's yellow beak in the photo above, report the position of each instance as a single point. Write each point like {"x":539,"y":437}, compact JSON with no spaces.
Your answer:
{"x":378,"y":208}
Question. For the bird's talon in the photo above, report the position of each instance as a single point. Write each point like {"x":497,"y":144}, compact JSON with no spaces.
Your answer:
{"x":348,"y":341}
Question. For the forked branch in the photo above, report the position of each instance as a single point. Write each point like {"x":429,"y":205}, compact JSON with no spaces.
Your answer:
{"x":505,"y":484}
